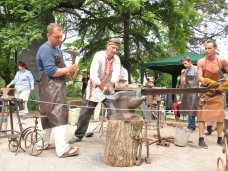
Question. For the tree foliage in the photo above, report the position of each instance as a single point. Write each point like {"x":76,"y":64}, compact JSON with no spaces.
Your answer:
{"x":213,"y":24}
{"x":149,"y":29}
{"x":22,"y":22}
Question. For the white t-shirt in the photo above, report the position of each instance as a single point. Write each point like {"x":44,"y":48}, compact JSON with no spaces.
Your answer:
{"x":124,"y":75}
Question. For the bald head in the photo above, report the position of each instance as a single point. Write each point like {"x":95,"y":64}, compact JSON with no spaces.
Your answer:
{"x":52,"y":26}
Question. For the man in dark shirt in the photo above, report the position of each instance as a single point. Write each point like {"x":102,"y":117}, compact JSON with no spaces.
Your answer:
{"x":85,"y":79}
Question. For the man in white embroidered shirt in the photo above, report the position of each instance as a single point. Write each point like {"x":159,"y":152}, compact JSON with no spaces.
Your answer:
{"x":104,"y":73}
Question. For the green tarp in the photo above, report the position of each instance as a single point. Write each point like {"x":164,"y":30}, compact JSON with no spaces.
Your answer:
{"x":170,"y":65}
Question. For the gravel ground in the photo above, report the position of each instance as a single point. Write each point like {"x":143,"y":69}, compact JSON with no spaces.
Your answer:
{"x":173,"y":158}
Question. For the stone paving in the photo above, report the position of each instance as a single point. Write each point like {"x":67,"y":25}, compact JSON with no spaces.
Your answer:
{"x":173,"y":158}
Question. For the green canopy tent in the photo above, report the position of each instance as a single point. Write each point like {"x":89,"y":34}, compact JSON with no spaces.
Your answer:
{"x":171,"y":65}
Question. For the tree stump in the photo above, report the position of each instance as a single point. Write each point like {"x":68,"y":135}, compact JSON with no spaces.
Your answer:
{"x":122,"y":142}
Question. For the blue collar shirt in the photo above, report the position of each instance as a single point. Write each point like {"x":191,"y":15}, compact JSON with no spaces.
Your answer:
{"x":23,"y":80}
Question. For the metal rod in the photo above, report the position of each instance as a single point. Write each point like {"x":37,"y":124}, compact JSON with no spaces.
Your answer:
{"x":153,"y":91}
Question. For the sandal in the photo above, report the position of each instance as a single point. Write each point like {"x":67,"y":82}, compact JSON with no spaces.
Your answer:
{"x":73,"y":151}
{"x":50,"y":146}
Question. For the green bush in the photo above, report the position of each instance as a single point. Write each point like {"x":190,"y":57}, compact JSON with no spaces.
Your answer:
{"x":33,"y":105}
{"x":74,"y":98}
{"x":74,"y":90}
{"x":2,"y":83}
{"x":139,"y":112}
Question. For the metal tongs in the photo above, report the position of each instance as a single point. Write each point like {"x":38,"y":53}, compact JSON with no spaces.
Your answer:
{"x":219,"y":82}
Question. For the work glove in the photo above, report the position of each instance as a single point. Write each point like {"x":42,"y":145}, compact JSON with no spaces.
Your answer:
{"x":206,"y":82}
{"x":223,"y":87}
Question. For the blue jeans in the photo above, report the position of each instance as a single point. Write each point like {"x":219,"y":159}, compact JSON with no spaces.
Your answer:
{"x":191,"y":122}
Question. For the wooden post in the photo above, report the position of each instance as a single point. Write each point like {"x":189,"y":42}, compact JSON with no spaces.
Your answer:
{"x":122,"y":142}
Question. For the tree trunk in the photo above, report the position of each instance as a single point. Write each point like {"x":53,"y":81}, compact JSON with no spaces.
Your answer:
{"x":127,"y":61}
{"x":122,"y":142}
{"x":6,"y":68}
{"x":29,"y":56}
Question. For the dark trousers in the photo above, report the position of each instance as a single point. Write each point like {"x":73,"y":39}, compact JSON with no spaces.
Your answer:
{"x":86,"y":113}
{"x":83,"y":92}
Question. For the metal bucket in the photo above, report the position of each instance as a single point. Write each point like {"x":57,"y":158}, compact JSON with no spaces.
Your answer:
{"x":73,"y":116}
{"x":182,"y":136}
{"x":4,"y":122}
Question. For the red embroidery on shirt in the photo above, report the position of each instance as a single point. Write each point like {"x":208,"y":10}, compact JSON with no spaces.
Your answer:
{"x":108,"y":68}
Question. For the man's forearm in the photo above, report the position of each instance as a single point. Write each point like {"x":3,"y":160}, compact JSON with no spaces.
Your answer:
{"x":61,"y":71}
{"x":182,"y":80}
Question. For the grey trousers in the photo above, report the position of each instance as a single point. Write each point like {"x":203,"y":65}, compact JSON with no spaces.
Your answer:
{"x":86,"y":113}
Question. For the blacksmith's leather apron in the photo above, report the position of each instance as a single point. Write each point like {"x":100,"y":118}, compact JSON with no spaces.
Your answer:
{"x":211,"y":104}
{"x":53,"y":91}
{"x":189,"y":101}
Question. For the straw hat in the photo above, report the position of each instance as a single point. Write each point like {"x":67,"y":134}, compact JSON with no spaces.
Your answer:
{"x":113,"y":41}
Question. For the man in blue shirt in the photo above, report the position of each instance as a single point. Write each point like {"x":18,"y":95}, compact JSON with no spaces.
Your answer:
{"x":53,"y":71}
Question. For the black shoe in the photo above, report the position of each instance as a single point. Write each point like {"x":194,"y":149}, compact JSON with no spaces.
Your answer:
{"x":202,"y":144}
{"x":209,"y":130}
{"x":89,"y":134}
{"x":74,"y":140}
{"x":219,"y":141}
